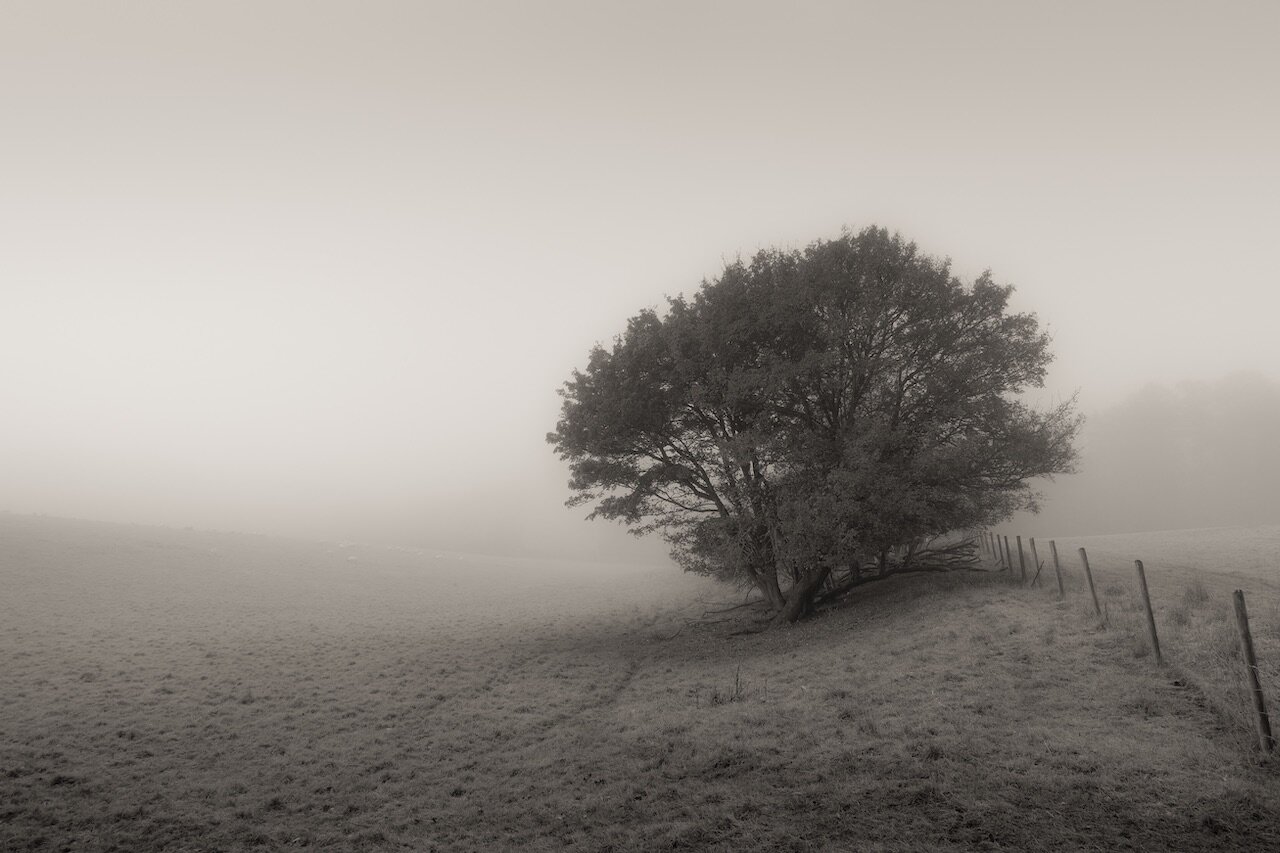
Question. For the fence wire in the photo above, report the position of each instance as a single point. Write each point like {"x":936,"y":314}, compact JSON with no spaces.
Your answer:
{"x":1191,"y":576}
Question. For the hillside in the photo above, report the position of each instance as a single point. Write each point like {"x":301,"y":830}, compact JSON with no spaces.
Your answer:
{"x":194,"y":691}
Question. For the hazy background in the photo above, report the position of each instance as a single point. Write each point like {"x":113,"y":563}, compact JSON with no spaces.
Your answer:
{"x":318,"y":268}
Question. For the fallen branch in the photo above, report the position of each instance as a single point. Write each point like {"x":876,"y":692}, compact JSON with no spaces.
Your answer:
{"x":703,"y":620}
{"x":755,"y":602}
{"x":961,"y":556}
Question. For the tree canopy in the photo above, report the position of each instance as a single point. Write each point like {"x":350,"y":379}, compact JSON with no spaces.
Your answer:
{"x":810,"y":417}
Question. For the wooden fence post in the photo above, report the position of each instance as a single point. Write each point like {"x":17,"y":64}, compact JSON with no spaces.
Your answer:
{"x":1022,"y":561}
{"x":1084,"y":559}
{"x":1146,"y":602}
{"x":1008,"y":556}
{"x":1035,"y":561}
{"x":1265,"y":738}
{"x":1057,"y":569}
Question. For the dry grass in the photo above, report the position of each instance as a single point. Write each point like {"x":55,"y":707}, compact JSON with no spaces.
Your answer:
{"x":267,"y":695}
{"x":1191,"y":575}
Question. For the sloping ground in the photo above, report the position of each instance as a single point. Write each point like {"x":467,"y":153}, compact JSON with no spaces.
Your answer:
{"x":1191,"y":575}
{"x":157,"y":694}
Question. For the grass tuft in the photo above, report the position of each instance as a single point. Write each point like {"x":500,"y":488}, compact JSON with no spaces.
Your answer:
{"x":1196,"y":594}
{"x":737,"y":692}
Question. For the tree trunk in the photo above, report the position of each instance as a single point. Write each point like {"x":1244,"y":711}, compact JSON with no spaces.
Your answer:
{"x":767,"y":583}
{"x":800,"y":597}
{"x":765,"y":570}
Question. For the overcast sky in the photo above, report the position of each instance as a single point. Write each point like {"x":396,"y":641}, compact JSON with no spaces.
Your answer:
{"x":319,"y":268}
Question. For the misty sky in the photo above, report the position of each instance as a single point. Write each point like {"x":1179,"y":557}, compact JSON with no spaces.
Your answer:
{"x":318,"y":268}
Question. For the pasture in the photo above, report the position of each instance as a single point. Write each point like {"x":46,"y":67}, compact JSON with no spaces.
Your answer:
{"x":1191,"y":575}
{"x":195,"y":691}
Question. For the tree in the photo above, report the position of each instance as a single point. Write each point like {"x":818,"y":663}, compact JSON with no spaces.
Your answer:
{"x":807,"y":420}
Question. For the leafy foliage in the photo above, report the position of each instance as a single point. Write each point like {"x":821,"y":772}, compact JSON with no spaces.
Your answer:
{"x":814,"y":409}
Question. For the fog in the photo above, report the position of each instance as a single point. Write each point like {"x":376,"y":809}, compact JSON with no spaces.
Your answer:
{"x":318,"y":269}
{"x":1198,"y":454}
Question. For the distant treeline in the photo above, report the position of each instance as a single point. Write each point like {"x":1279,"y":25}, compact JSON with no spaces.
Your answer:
{"x":1200,"y":454}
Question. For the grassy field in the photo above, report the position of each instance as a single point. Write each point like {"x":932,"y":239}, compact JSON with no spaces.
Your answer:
{"x":192,"y":691}
{"x":1191,"y":575}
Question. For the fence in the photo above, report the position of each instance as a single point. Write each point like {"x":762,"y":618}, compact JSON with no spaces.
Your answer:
{"x":1189,"y":617}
